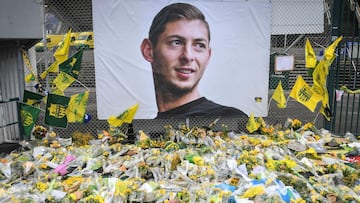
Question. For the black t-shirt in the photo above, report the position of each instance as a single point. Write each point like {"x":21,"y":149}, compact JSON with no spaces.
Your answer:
{"x":201,"y":107}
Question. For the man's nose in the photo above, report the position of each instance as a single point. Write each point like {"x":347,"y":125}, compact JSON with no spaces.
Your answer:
{"x":188,"y":53}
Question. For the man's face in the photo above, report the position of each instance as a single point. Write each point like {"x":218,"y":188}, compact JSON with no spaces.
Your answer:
{"x":181,"y":55}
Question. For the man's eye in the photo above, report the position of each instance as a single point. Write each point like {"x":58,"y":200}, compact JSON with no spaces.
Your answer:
{"x":200,"y":46}
{"x":176,"y":42}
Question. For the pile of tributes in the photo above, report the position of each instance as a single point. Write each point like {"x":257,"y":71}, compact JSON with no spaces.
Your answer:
{"x":286,"y":163}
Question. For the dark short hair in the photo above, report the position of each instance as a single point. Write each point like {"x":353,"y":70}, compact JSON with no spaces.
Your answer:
{"x":171,"y":13}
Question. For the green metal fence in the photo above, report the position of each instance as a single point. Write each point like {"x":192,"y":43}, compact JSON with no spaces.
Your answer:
{"x":345,"y":73}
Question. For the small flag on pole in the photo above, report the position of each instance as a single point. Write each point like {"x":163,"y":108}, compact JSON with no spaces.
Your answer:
{"x":126,"y":117}
{"x":330,"y":50}
{"x":76,"y":109}
{"x":310,"y":57}
{"x":279,"y":96}
{"x":55,"y":114}
{"x":29,"y":115}
{"x":62,"y":52}
{"x":32,"y":98}
{"x":63,"y":81}
{"x":72,"y":65}
{"x":304,"y":94}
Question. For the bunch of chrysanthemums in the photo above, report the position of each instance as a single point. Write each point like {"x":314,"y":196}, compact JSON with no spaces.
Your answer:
{"x":293,"y":162}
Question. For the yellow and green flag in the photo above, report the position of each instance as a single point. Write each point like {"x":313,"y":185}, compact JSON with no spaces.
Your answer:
{"x":62,"y":52}
{"x":55,"y":113}
{"x":29,"y":115}
{"x":63,"y":81}
{"x":126,"y":117}
{"x":53,"y":68}
{"x":32,"y":98}
{"x":310,"y":57}
{"x":279,"y":96}
{"x":75,"y":112}
{"x":304,"y":94}
{"x":72,"y":65}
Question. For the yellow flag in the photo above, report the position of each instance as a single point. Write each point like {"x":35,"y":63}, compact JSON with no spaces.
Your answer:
{"x":44,"y":74}
{"x":62,"y":52}
{"x":310,"y":57}
{"x":30,"y":77}
{"x":63,"y":81}
{"x":126,"y":117}
{"x":319,"y":79}
{"x":330,"y":50}
{"x":252,"y":125}
{"x":53,"y":68}
{"x":304,"y":94}
{"x":76,"y":109}
{"x":279,"y":96}
{"x":131,"y":113}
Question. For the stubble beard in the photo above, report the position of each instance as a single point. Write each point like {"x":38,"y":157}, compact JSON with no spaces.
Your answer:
{"x":170,"y":89}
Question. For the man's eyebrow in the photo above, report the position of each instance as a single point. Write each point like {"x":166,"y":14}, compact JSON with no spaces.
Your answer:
{"x":201,"y":40}
{"x":183,"y":38}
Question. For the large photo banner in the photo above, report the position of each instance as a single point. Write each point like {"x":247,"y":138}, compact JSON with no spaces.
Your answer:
{"x":237,"y":72}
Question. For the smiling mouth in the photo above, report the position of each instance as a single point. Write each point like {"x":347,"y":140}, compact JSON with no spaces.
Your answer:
{"x":185,"y":71}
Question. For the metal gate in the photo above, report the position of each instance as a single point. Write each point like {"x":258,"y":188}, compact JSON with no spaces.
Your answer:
{"x":344,"y":76}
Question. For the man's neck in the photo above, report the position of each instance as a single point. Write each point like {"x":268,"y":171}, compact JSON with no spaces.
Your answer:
{"x":167,"y":102}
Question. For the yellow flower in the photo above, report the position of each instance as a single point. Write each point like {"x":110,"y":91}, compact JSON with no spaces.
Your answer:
{"x":52,"y":134}
{"x":43,"y":166}
{"x":270,"y":164}
{"x":72,"y":197}
{"x":162,"y":191}
{"x":317,"y":137}
{"x":289,"y":163}
{"x":210,"y":172}
{"x":310,"y":152}
{"x":243,"y":137}
{"x":41,"y":186}
{"x":299,"y":200}
{"x":253,"y":191}
{"x":94,"y":199}
{"x":72,"y":179}
{"x":281,"y":133}
{"x":100,"y":135}
{"x":315,"y":197}
{"x":266,"y":143}
{"x":357,"y":189}
{"x":106,"y":153}
{"x":122,"y":187}
{"x":308,"y":126}
{"x":296,"y":123}
{"x":198,"y":160}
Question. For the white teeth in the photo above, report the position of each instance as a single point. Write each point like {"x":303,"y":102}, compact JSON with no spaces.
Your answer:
{"x":185,"y":71}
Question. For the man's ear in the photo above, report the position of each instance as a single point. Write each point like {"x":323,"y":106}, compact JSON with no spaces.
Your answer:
{"x":146,"y":50}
